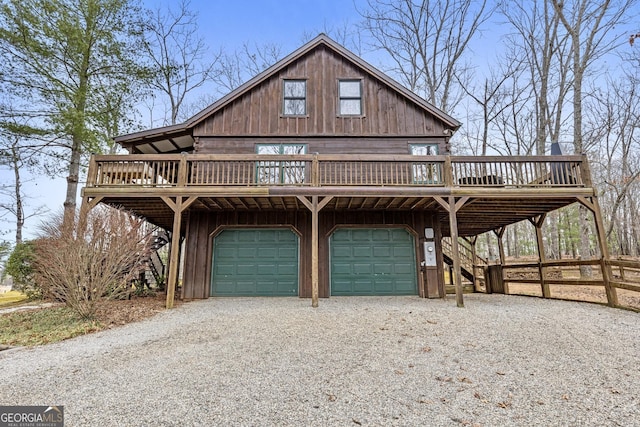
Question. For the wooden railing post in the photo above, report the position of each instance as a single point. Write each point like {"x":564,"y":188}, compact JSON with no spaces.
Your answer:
{"x":585,"y":171}
{"x":92,"y":173}
{"x":182,"y":171}
{"x":315,"y":171}
{"x":448,"y":172}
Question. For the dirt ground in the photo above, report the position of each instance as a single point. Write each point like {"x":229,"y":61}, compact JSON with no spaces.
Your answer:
{"x":120,"y":312}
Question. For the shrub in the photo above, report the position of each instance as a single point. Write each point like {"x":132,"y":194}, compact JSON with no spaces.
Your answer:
{"x":20,"y":267}
{"x":94,"y":257}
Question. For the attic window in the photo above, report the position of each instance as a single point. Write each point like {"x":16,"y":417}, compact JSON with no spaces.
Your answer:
{"x":350,"y":93}
{"x":294,"y":98}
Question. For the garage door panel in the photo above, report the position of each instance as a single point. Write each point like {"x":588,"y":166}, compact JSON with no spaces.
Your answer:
{"x":362,"y":286}
{"x":359,"y":235}
{"x":385,"y":268}
{"x":383,"y":286}
{"x":402,"y":252}
{"x":341,"y":268}
{"x":341,"y":287}
{"x":370,"y":261}
{"x":260,"y":262}
{"x":405,"y":286}
{"x":245,"y":236}
{"x":362,"y":252}
{"x":288,"y":253}
{"x":381,"y":235}
{"x":400,"y":235}
{"x":404,"y":268}
{"x":287,"y":269}
{"x":364,"y":269}
{"x":382,"y":252}
{"x":342,"y":252}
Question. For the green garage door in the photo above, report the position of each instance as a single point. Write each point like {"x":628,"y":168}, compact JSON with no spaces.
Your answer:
{"x":373,"y":261}
{"x":256,"y":262}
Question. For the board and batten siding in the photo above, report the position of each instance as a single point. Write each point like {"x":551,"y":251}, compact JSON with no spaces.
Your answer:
{"x":323,"y":145}
{"x":258,"y":112}
{"x":202,"y":226}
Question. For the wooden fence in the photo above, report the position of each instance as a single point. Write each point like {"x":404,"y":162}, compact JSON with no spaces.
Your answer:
{"x":562,"y":279}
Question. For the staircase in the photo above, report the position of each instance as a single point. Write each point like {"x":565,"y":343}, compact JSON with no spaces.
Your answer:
{"x":470,"y":281}
{"x":156,"y":266}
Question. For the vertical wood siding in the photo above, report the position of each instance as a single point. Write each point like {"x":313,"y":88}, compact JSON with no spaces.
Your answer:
{"x":259,"y":111}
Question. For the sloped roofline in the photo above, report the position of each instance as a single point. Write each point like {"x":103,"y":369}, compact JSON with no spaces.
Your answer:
{"x":321,"y":39}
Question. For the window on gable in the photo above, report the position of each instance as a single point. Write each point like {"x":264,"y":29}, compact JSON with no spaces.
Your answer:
{"x":281,"y":172}
{"x":426,"y":172}
{"x":350,"y":94}
{"x":294,"y":98}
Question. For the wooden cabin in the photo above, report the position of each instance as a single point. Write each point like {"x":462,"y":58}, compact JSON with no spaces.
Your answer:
{"x":322,"y":176}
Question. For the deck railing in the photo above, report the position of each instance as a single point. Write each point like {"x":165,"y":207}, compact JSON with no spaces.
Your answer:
{"x":337,"y":170}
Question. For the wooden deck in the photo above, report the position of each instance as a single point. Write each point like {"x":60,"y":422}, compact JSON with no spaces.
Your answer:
{"x":496,"y":191}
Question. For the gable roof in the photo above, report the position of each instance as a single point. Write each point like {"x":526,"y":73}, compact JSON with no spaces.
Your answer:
{"x":179,"y":137}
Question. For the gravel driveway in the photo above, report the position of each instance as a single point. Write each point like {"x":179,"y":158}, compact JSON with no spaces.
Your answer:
{"x":503,"y":360}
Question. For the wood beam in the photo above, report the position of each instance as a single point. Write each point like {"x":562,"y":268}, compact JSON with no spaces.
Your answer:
{"x":178,"y":207}
{"x":315,"y":206}
{"x":605,"y":266}
{"x":91,"y":202}
{"x":537,"y":223}
{"x":314,"y":251}
{"x":453,"y":227}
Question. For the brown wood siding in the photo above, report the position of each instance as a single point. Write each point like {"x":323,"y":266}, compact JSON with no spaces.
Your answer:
{"x":337,"y":145}
{"x":202,"y":226}
{"x":259,"y":111}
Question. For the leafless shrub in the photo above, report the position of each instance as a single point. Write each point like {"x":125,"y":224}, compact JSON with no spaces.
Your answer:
{"x":95,"y":257}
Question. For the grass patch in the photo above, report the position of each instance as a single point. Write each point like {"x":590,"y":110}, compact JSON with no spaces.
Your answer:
{"x":11,"y":298}
{"x":43,"y":326}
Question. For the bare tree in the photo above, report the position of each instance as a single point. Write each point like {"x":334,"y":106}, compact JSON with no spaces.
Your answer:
{"x":589,"y":24}
{"x":346,"y":34}
{"x":613,"y":120}
{"x":492,"y":97}
{"x":180,"y":59}
{"x":427,"y":42}
{"x":537,"y":42}
{"x":237,"y":67}
{"x":17,"y":156}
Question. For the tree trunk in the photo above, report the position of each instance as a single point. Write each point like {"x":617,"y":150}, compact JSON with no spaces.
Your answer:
{"x":18,"y":195}
{"x":72,"y":181}
{"x":585,"y":248}
{"x":554,"y":244}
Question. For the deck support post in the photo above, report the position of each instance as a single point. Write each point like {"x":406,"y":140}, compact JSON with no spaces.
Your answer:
{"x":314,"y":251}
{"x":315,"y":206}
{"x":177,"y":207}
{"x":537,"y":223}
{"x":474,"y":255}
{"x":594,"y":207}
{"x":499,"y":232}
{"x":453,"y":207}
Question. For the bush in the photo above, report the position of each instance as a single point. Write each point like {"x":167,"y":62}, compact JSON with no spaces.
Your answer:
{"x":20,"y":267}
{"x":94,"y":257}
